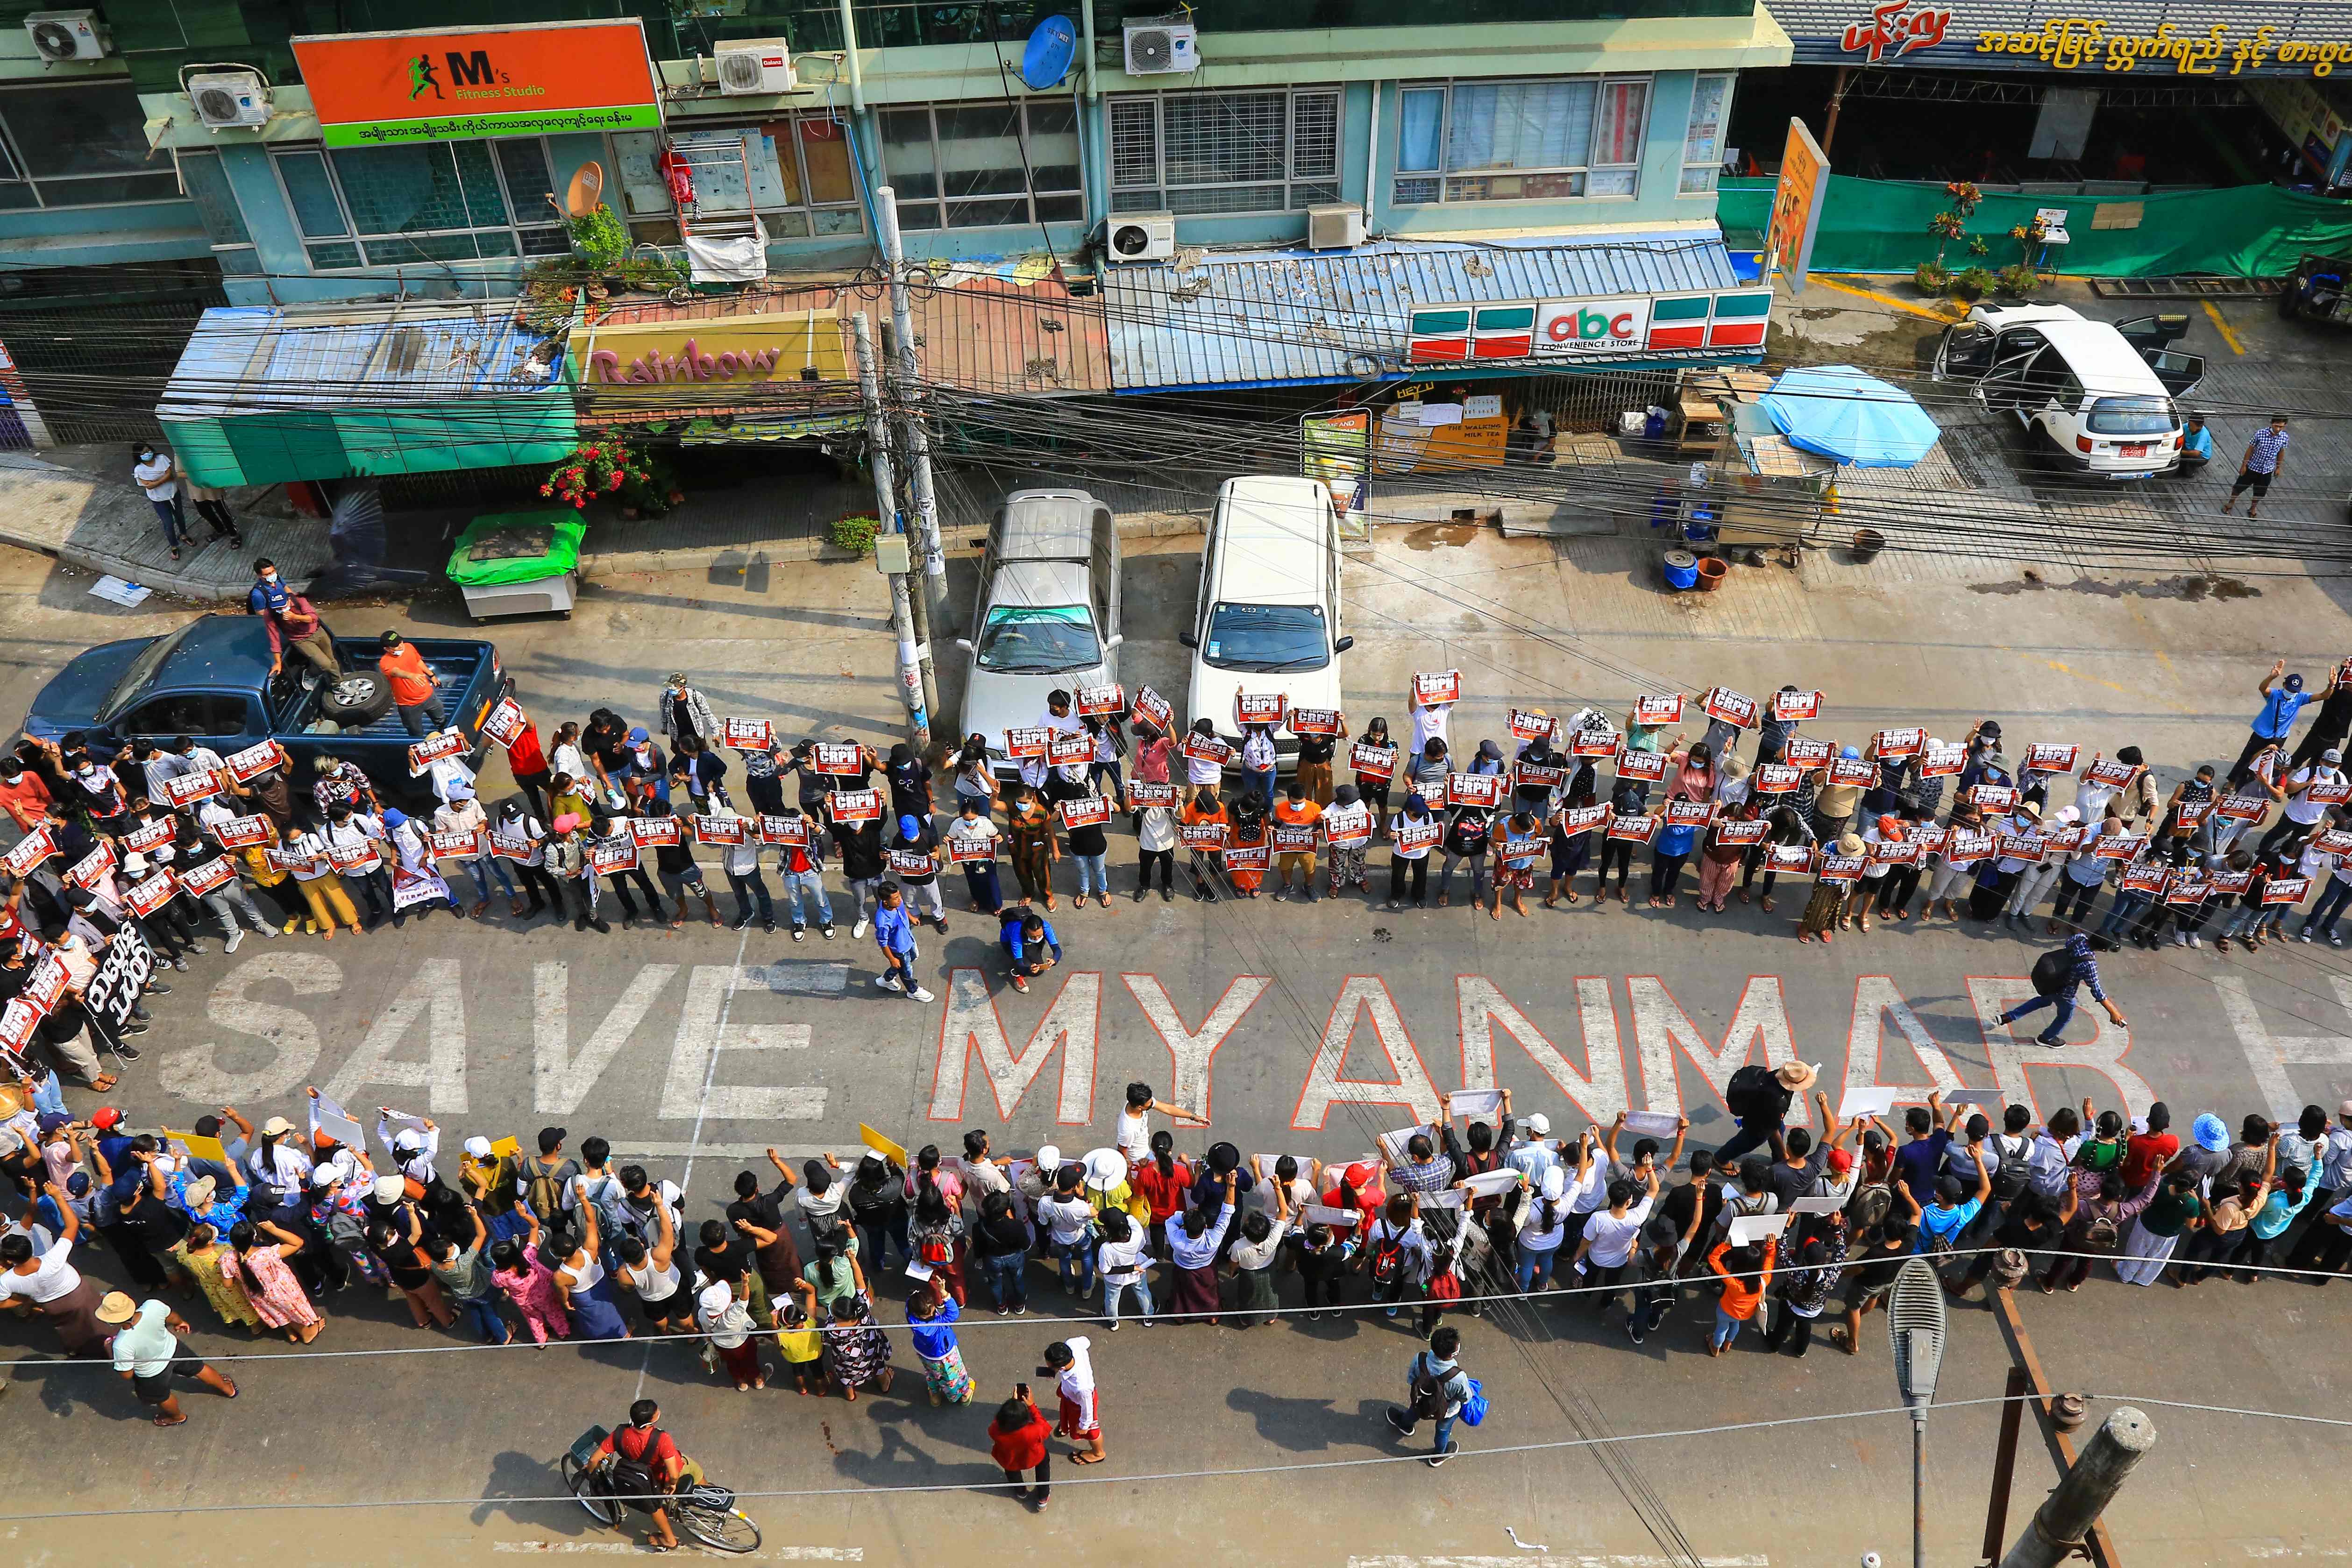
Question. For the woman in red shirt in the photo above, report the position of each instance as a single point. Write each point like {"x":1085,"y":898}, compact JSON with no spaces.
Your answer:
{"x":2150,"y":1149}
{"x":1016,"y":1438}
{"x":527,"y":763}
{"x":1162,"y":1181}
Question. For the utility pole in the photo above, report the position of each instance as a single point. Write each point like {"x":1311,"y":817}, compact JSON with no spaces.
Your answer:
{"x":885,"y":500}
{"x":907,"y":377}
{"x":2067,"y":1514}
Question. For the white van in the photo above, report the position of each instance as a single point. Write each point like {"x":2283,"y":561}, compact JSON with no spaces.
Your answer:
{"x":2096,"y":394}
{"x":1267,"y":617}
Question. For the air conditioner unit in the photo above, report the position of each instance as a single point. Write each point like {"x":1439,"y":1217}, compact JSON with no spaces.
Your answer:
{"x":1158,"y":49}
{"x":755,"y":66}
{"x":69,"y":35}
{"x":1142,"y":236}
{"x":1338,"y":226}
{"x":226,"y":99}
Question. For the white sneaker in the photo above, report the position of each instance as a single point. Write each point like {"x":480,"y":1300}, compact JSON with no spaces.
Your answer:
{"x":859,"y":929}
{"x":889,"y":982}
{"x":2306,"y":937}
{"x":236,"y":940}
{"x":272,"y":932}
{"x":195,"y":948}
{"x":923,"y":996}
{"x":2194,"y":940}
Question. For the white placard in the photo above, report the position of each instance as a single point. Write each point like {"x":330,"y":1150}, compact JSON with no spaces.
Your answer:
{"x":1474,"y":1102}
{"x":1866,"y":1102}
{"x":1393,"y":1144}
{"x":1489,"y":1184}
{"x":1749,"y":1229}
{"x":1336,"y":1219}
{"x":1817,"y":1206}
{"x":1452,"y":1198}
{"x":1652,"y":1124}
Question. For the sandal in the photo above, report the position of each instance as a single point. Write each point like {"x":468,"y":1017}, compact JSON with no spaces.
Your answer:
{"x":1085,"y":1459}
{"x":1766,"y":906}
{"x":101,"y":1083}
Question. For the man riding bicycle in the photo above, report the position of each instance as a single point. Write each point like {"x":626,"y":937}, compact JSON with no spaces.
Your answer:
{"x":641,"y":1463}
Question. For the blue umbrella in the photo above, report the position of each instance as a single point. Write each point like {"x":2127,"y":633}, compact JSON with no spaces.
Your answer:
{"x":1842,"y":413}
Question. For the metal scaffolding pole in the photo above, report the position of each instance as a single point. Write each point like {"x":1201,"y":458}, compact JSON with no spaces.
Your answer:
{"x":902,"y":617}
{"x":907,"y":378}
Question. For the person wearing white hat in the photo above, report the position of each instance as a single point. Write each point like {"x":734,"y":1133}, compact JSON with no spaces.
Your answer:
{"x":279,"y":1161}
{"x":1543,"y":1226}
{"x":147,"y":1351}
{"x":413,"y":1149}
{"x":1527,"y":1153}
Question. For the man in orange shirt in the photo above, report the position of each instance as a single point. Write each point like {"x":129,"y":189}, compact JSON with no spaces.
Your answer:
{"x":1296,"y":812}
{"x":412,"y":679}
{"x":1206,"y":864}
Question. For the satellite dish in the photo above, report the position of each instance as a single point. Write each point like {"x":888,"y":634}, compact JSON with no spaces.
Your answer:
{"x":586,"y":192}
{"x":1045,"y":57}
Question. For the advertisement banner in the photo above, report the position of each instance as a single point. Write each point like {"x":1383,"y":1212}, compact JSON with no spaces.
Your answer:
{"x":540,"y":78}
{"x":1797,"y":198}
{"x":1613,"y":324}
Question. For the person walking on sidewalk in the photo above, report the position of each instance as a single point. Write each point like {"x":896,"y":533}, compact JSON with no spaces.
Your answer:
{"x":894,"y":933}
{"x":214,"y":512}
{"x":2264,"y":458}
{"x":148,"y":1351}
{"x":2057,"y":974}
{"x":1435,"y":1389}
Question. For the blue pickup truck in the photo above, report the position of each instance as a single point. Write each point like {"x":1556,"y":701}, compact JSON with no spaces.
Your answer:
{"x":210,"y":679}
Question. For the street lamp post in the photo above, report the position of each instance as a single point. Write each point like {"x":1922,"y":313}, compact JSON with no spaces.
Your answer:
{"x":1916,"y":1325}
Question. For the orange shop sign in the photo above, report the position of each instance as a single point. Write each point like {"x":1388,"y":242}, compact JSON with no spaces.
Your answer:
{"x":531,"y":80}
{"x":728,"y":349}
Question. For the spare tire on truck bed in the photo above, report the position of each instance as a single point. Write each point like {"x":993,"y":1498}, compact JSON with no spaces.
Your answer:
{"x":356,"y":699}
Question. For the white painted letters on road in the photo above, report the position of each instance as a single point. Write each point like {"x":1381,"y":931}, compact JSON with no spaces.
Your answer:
{"x":1483,"y":1008}
{"x":2268,"y":1055}
{"x":2012,"y":1053}
{"x":1660,"y":1025}
{"x":1325,"y":1088}
{"x":1191,"y":1050}
{"x":971,"y":1027}
{"x":200,"y":1074}
{"x":560,"y":1081}
{"x":698,"y":1042}
{"x":433,"y":994}
{"x":1876,"y":1003}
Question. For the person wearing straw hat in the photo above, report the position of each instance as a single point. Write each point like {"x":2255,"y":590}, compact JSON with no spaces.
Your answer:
{"x":1825,"y":912}
{"x":1760,"y":1100}
{"x":147,"y":1351}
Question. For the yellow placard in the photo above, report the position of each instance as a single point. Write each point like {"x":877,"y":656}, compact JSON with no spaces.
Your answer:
{"x":509,"y":1146}
{"x":881,"y":1146}
{"x":198,"y":1146}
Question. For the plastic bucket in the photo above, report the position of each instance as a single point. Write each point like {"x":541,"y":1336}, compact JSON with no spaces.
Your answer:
{"x":1867,"y":543}
{"x":1681,"y":568}
{"x":1711,"y":574}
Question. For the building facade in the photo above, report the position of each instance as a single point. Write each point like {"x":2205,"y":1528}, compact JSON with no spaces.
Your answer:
{"x":1515,"y":118}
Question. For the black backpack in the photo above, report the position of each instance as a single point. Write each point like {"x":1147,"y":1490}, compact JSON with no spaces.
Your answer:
{"x":1752,"y":1091}
{"x":2016,"y":1171}
{"x":634,"y":1478}
{"x":2051,"y":971}
{"x":1386,"y":1264}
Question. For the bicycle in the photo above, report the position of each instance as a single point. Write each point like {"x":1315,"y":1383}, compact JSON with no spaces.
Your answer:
{"x":705,"y":1512}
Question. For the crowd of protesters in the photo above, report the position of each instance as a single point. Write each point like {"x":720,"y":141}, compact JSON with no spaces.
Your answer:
{"x":1801,"y":1216}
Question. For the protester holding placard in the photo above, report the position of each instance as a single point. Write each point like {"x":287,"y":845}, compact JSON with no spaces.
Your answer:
{"x":1348,"y":826}
{"x":1317,"y":747}
{"x":857,"y":846}
{"x":1294,"y":819}
{"x":1205,"y":827}
{"x":464,"y":815}
{"x":2332,"y":898}
{"x":1469,"y":830}
{"x":1084,"y":818}
{"x":1413,"y":834}
{"x":316,"y":878}
{"x":1371,"y":783}
{"x":211,"y":876}
{"x":2309,"y":791}
{"x":972,"y":844}
{"x":1029,"y":839}
{"x":1431,"y":714}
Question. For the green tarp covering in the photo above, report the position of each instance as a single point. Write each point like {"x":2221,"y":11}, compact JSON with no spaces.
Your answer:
{"x":2246,"y":230}
{"x":517,"y":546}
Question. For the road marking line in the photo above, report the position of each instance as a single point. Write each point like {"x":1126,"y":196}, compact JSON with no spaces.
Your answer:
{"x":2222,"y":326}
{"x":1947,"y":315}
{"x":800,"y":979}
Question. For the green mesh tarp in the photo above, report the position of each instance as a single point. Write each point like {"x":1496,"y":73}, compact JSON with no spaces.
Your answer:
{"x":2245,"y":231}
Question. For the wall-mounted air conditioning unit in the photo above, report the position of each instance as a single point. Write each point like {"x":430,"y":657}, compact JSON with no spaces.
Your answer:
{"x":226,"y":100}
{"x":755,"y":66}
{"x":1338,"y":226}
{"x":69,"y":35}
{"x":1141,"y":236}
{"x":1158,"y":49}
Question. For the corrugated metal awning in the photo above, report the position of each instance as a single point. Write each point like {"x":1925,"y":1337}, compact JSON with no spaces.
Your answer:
{"x":1289,"y":318}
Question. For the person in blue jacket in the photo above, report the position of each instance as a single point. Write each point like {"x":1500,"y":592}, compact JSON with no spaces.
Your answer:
{"x":1031,"y":943}
{"x":895,"y":935}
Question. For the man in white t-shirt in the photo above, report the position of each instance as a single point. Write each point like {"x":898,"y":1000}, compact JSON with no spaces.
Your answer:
{"x":1073,"y":1380}
{"x":2301,"y":816}
{"x":156,"y":475}
{"x":1134,"y":1135}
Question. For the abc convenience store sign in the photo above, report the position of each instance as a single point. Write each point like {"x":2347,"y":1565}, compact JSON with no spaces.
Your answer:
{"x":373,"y":89}
{"x":1616,"y":327}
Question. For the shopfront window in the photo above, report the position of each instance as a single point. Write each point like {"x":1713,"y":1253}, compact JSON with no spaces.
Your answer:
{"x":442,"y":201}
{"x":793,"y":172}
{"x":78,"y":144}
{"x":1197,"y":153}
{"x":1520,"y":140}
{"x":967,"y":166}
{"x":1703,"y":141}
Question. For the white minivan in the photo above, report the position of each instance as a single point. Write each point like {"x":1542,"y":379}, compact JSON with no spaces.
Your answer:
{"x":1268,"y":617}
{"x":2096,"y":394}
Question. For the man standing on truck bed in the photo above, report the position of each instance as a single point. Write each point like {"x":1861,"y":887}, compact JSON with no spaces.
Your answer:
{"x":412,"y":685}
{"x":293,"y":622}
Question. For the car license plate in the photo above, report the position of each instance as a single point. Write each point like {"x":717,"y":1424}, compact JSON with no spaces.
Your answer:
{"x":2139,"y":451}
{"x":2135,"y":474}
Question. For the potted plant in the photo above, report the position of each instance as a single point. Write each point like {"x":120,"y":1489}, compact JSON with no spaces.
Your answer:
{"x":2017,"y":281}
{"x":1972,"y":282}
{"x":855,"y":534}
{"x":1931,"y":277}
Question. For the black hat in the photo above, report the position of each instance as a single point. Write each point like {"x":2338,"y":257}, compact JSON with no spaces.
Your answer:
{"x":551,"y":1139}
{"x":1223,"y":1157}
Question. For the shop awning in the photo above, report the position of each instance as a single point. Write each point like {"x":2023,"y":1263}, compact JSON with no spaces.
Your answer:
{"x":1300,"y":317}
{"x":266,"y":394}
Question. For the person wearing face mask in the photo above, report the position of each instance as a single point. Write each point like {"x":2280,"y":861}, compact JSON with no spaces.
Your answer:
{"x":156,"y":475}
{"x":293,"y":622}
{"x":682,"y":711}
{"x":518,"y":828}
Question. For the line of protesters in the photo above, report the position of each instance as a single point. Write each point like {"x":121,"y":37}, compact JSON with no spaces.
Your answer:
{"x":607,"y":822}
{"x":1804,"y":1214}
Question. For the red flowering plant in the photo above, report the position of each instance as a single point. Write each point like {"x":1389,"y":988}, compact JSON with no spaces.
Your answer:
{"x":594,"y":469}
